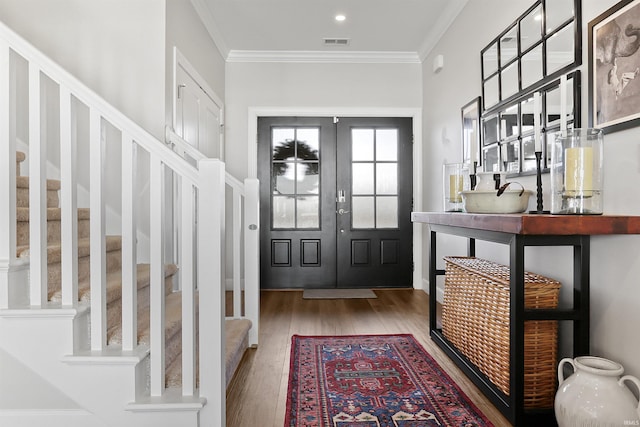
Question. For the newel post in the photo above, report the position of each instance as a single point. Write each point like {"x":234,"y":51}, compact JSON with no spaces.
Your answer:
{"x":211,"y":232}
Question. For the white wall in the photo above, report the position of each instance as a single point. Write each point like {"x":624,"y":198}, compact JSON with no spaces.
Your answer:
{"x":116,"y":47}
{"x":615,"y":265}
{"x":307,"y":86}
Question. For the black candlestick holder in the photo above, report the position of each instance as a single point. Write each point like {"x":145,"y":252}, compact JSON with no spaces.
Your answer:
{"x":539,"y":207}
{"x":473,"y":178}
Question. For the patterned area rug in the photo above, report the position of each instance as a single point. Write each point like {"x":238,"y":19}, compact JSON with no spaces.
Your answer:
{"x":372,"y":381}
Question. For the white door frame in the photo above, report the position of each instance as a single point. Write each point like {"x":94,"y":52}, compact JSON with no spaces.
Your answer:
{"x":414,"y":113}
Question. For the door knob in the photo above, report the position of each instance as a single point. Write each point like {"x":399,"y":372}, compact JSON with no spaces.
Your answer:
{"x":342,"y":211}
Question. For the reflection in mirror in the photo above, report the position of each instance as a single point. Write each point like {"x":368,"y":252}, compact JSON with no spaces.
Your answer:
{"x":557,"y":13}
{"x":510,"y":80}
{"x":490,"y":159}
{"x":526,"y":110}
{"x":529,"y":158}
{"x":560,"y":51}
{"x":490,"y":130}
{"x":471,"y":131}
{"x":509,"y":46}
{"x":553,"y":104}
{"x":491,"y":92}
{"x":532,"y":67}
{"x":531,"y":28}
{"x":552,"y":100}
{"x":490,"y":61}
{"x":550,"y":139}
{"x":511,"y":157}
{"x":509,"y":123}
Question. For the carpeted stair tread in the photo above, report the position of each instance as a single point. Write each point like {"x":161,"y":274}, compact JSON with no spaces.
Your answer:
{"x":22,"y":192}
{"x":23,"y":182}
{"x":54,"y":250}
{"x":53,"y":214}
{"x":54,"y":225}
{"x":173,"y":323}
{"x":114,"y":284}
{"x":236,"y":342}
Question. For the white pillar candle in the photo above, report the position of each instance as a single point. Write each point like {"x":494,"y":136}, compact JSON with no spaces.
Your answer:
{"x":537,"y":142}
{"x":563,"y":104}
{"x":455,"y":187}
{"x":578,"y":171}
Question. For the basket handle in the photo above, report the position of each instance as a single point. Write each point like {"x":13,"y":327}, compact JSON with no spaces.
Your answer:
{"x":560,"y":370}
{"x":636,"y":382}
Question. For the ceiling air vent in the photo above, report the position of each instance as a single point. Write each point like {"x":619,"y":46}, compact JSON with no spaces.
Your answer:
{"x":336,"y":42}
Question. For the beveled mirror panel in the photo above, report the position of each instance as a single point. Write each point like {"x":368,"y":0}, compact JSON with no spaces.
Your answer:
{"x":557,"y":13}
{"x":509,"y":45}
{"x":510,"y":81}
{"x":532,"y":67}
{"x":491,"y":94}
{"x":490,"y":60}
{"x":560,"y":49}
{"x":531,"y":29}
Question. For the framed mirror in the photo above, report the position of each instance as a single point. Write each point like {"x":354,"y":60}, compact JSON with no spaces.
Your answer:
{"x":508,"y":142}
{"x":537,"y":48}
{"x":470,"y":114}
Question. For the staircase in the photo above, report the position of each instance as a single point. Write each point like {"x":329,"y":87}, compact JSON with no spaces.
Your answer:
{"x":101,"y":329}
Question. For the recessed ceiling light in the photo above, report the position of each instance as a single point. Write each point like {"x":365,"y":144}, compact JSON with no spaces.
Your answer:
{"x":340,"y":18}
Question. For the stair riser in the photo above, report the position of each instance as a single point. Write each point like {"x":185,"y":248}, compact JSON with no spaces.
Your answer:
{"x":22,"y":196}
{"x":53,"y":231}
{"x":113,"y":263}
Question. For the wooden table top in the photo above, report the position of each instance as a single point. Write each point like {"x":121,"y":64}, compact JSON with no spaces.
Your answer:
{"x":535,"y":224}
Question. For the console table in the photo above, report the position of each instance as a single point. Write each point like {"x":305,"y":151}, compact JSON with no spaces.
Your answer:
{"x":519,"y":231}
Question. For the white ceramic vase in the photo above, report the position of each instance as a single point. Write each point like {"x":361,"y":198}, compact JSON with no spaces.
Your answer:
{"x":595,"y":395}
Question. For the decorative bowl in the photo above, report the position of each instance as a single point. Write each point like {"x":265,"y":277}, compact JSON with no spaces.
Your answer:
{"x":507,"y":201}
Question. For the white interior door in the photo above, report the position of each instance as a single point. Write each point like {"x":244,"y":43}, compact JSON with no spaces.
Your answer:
{"x":198,"y":116}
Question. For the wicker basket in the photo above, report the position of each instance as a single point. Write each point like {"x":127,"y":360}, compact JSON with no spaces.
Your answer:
{"x":475,"y":318}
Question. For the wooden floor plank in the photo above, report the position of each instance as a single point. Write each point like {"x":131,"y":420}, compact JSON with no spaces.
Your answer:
{"x":257,"y":395}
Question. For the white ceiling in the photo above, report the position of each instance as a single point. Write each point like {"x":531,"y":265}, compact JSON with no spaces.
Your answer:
{"x":400,"y":29}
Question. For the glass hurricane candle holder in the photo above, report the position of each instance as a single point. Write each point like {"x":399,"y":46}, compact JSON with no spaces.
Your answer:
{"x":455,"y":178}
{"x":576,"y":172}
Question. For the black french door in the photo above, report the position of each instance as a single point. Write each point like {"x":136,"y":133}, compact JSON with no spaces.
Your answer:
{"x":336,"y":198}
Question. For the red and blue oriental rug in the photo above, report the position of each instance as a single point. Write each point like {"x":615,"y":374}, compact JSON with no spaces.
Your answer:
{"x":372,"y":381}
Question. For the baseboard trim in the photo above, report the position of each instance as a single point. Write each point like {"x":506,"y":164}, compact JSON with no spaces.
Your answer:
{"x":171,"y":401}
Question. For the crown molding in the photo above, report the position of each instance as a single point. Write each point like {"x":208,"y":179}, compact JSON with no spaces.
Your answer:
{"x":347,"y":57}
{"x":442,"y":25}
{"x":209,"y":22}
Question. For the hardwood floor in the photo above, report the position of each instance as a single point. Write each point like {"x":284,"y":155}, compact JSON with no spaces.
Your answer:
{"x":257,"y":395}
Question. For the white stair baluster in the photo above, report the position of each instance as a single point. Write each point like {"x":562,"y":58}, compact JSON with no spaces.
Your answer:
{"x":157,"y":297}
{"x":37,"y":194}
{"x":237,"y":247}
{"x":188,"y":287}
{"x":97,"y":231}
{"x":68,"y":201}
{"x":129,"y":254}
